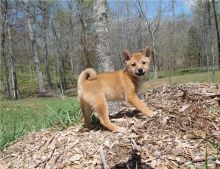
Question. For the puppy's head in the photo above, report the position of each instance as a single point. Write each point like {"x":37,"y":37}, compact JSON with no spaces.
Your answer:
{"x":137,"y":64}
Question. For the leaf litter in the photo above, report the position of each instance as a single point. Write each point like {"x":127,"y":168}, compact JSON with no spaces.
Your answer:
{"x":184,"y":134}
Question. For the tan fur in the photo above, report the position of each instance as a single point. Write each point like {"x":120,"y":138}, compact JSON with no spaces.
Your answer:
{"x":94,"y":90}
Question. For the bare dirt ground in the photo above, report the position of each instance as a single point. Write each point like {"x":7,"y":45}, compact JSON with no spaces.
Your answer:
{"x":184,"y":134}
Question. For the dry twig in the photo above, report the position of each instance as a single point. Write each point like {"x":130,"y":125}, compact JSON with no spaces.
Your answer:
{"x":47,"y":159}
{"x":102,"y":156}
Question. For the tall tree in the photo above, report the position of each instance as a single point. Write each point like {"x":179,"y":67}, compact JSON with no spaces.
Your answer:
{"x":209,"y":30}
{"x":12,"y":60}
{"x":217,"y":31}
{"x":152,"y":28}
{"x":34,"y":46}
{"x":6,"y":84}
{"x":103,"y":55}
{"x":58,"y":58}
{"x":171,"y":65}
{"x":84,"y":37}
{"x":127,"y":28}
{"x":139,"y":32}
{"x":71,"y":30}
{"x":192,"y":47}
{"x":45,"y":23}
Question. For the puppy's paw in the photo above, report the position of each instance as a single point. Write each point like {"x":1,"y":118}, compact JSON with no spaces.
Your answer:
{"x":120,"y":130}
{"x":151,"y":113}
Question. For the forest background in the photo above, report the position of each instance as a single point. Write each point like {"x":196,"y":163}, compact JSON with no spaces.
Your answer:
{"x":46,"y":44}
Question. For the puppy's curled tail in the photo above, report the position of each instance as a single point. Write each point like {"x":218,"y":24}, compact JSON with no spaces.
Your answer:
{"x":87,"y":74}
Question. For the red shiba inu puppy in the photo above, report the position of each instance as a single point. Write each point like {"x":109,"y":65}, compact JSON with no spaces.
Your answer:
{"x":94,"y":90}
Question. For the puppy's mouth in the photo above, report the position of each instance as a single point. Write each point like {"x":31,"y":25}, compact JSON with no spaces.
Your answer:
{"x":140,"y":73}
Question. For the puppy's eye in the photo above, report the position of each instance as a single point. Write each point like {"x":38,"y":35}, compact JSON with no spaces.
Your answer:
{"x":133,"y":64}
{"x":143,"y":63}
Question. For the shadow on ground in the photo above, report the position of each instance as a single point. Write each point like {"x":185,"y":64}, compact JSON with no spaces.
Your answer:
{"x":133,"y":162}
{"x":130,"y":114}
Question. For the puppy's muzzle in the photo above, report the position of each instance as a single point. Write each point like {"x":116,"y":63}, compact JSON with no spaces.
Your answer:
{"x":140,"y":72}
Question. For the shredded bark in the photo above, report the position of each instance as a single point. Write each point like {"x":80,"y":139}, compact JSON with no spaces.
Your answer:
{"x":184,"y":134}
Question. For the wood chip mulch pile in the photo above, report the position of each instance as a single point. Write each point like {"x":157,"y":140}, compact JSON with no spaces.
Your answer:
{"x":184,"y":134}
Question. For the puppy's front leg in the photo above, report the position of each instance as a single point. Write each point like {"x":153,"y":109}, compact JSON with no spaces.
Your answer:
{"x":138,"y":104}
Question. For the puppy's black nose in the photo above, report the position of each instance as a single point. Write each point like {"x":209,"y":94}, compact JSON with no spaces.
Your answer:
{"x":140,"y":70}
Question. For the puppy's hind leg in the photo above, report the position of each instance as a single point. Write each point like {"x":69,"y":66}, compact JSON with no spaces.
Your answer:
{"x":87,"y":111}
{"x":102,"y":110}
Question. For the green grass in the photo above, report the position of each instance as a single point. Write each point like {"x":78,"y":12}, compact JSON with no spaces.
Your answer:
{"x":193,"y":77}
{"x":23,"y":116}
{"x":179,"y":72}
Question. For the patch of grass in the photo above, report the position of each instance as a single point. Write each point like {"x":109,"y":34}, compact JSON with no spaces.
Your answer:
{"x":179,"y":72}
{"x":197,"y":77}
{"x":23,"y":116}
{"x":64,"y":115}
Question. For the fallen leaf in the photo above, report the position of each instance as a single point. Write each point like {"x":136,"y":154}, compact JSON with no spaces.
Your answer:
{"x":75,"y":157}
{"x":183,"y":108}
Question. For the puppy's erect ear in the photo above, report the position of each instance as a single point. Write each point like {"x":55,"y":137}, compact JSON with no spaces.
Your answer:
{"x":126,"y":55}
{"x":147,"y":52}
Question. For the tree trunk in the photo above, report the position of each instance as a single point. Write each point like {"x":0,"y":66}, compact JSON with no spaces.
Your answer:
{"x":83,"y":35}
{"x":13,"y":67}
{"x":127,"y":27}
{"x":49,"y":79}
{"x":172,"y":44}
{"x":45,"y":25}
{"x":206,"y":40}
{"x":154,"y":57}
{"x":71,"y":41}
{"x":38,"y":67}
{"x":217,"y":31}
{"x":58,"y":60}
{"x":209,"y":30}
{"x":139,"y":33}
{"x":6,"y":85}
{"x":155,"y":64}
{"x":34,"y":45}
{"x":213,"y":65}
{"x":152,"y":28}
{"x":103,"y":55}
